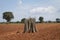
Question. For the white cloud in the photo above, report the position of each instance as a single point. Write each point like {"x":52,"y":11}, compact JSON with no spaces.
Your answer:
{"x":20,"y":2}
{"x":49,"y":9}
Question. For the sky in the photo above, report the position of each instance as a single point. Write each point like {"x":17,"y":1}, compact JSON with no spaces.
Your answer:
{"x":49,"y":9}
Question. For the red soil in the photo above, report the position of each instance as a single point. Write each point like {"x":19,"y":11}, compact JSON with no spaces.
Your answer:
{"x":45,"y":31}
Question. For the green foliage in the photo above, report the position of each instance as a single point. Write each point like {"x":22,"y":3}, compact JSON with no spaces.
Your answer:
{"x":41,"y":19}
{"x":22,"y":20}
{"x":57,"y":20}
{"x":49,"y":21}
{"x":18,"y":22}
{"x":8,"y":16}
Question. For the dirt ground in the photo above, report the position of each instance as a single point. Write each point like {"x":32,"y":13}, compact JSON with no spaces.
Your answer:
{"x":45,"y":31}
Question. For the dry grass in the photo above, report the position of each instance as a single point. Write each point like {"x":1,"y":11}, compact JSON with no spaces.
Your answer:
{"x":45,"y":31}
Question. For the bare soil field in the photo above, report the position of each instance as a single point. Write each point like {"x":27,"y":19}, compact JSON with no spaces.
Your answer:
{"x":45,"y":31}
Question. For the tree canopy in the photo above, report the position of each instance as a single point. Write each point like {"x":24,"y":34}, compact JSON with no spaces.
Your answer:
{"x":8,"y":16}
{"x":41,"y":19}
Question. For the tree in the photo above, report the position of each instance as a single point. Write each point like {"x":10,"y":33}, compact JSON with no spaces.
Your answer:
{"x":22,"y":20}
{"x":49,"y":21}
{"x":18,"y":22}
{"x":8,"y":16}
{"x":41,"y":19}
{"x":57,"y":20}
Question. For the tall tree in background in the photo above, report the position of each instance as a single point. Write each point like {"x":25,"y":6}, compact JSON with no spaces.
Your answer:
{"x":22,"y":20}
{"x":57,"y":20}
{"x":41,"y":19}
{"x":8,"y":16}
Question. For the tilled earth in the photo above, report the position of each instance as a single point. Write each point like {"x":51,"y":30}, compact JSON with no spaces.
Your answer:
{"x":45,"y":31}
